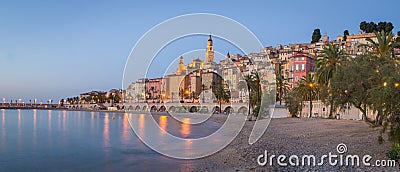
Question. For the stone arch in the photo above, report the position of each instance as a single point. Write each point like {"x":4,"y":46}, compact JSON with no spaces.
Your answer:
{"x":153,"y":108}
{"x":203,"y":109}
{"x":216,"y":109}
{"x":243,"y":110}
{"x":137,"y":108}
{"x":228,"y":110}
{"x":181,"y":109}
{"x":144,"y":108}
{"x":130,"y":107}
{"x":193,"y":109}
{"x":172,"y":109}
{"x":162,"y":109}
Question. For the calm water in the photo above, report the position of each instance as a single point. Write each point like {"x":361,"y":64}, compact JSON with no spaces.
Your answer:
{"x":49,"y":140}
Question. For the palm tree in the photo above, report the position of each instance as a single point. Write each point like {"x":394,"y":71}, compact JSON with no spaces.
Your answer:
{"x":181,"y":93}
{"x":307,"y":89}
{"x":222,"y":95}
{"x":254,"y":88}
{"x":203,"y":87}
{"x":384,"y":46}
{"x":283,"y":88}
{"x":152,"y":90}
{"x":327,"y":66}
{"x":193,"y":95}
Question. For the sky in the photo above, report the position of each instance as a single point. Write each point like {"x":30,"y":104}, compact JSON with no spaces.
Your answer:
{"x":58,"y":49}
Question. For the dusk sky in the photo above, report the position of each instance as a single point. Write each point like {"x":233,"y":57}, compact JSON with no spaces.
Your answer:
{"x":58,"y":49}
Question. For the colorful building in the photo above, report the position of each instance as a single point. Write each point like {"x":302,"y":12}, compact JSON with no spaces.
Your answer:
{"x":300,"y":64}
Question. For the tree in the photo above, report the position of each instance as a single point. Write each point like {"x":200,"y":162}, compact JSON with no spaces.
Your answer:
{"x":307,"y":89}
{"x":203,"y":87}
{"x":193,"y":95}
{"x":384,"y":46}
{"x":345,"y":34}
{"x":385,"y":26}
{"x":316,"y":36}
{"x":254,"y":87}
{"x":283,"y":88}
{"x":222,"y":95}
{"x":352,"y":83}
{"x":293,"y":102}
{"x":363,"y":26}
{"x":371,"y":27}
{"x":327,"y":65}
{"x":61,"y":103}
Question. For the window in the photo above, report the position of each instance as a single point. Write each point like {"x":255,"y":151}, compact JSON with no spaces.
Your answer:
{"x":297,"y":67}
{"x":302,"y":67}
{"x":297,"y":78}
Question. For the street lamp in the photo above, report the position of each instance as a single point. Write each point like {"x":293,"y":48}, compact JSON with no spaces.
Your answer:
{"x":385,"y":84}
{"x":396,"y":85}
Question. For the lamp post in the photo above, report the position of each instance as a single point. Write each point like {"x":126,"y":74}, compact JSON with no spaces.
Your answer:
{"x":311,"y":85}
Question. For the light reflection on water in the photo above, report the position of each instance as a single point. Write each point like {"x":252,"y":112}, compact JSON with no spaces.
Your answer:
{"x":52,"y":140}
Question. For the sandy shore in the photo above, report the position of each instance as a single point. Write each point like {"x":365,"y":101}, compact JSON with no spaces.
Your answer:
{"x":292,"y":136}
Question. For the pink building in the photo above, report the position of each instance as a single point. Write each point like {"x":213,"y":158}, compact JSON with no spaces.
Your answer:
{"x":153,"y":88}
{"x":300,"y":64}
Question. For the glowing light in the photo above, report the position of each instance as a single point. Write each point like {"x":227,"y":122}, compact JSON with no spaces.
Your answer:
{"x":185,"y":130}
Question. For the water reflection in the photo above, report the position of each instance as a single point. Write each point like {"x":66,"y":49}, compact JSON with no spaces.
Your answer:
{"x":163,"y":124}
{"x":3,"y":129}
{"x":19,"y":132}
{"x":106,"y":133}
{"x":3,"y":111}
{"x":19,"y":121}
{"x":185,"y":130}
{"x":141,"y":124}
{"x":49,"y":119}
{"x":34,"y":126}
{"x":125,"y":129}
{"x":64,"y":122}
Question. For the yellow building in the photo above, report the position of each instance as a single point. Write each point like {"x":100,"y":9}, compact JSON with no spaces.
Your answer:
{"x":210,"y":51}
{"x":181,"y":68}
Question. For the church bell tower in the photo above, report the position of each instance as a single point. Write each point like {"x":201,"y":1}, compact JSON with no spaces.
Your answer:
{"x":210,"y":51}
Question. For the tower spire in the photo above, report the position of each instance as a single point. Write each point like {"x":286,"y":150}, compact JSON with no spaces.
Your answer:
{"x":210,"y":51}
